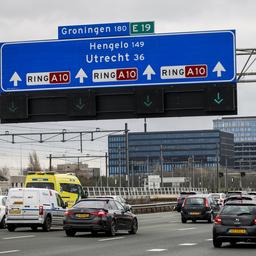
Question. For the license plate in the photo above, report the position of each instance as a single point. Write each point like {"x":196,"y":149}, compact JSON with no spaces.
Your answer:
{"x":238,"y":231}
{"x":195,"y":213}
{"x":15,"y":211}
{"x":82,"y":215}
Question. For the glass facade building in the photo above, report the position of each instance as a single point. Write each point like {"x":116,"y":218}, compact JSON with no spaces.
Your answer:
{"x":205,"y":147}
{"x":244,"y":130}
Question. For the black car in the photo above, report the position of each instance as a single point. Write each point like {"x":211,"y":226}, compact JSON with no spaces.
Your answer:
{"x":239,"y":198}
{"x":97,"y":215}
{"x":182,"y":197}
{"x":199,"y":207}
{"x":236,"y":222}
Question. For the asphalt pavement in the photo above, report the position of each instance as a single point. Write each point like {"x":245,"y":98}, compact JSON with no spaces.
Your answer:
{"x":158,"y":234}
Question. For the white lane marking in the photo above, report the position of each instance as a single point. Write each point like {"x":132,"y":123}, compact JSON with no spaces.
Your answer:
{"x":110,"y":239}
{"x":12,"y":251}
{"x":184,"y":229}
{"x":209,"y":239}
{"x":188,"y":244}
{"x":17,"y":237}
{"x":156,"y":250}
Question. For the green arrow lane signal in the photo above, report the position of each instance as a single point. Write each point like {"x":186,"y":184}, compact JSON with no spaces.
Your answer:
{"x":218,"y":99}
{"x":148,"y":102}
{"x":12,"y":107}
{"x":80,"y":104}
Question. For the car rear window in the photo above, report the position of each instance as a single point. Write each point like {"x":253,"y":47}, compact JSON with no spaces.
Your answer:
{"x":94,"y":204}
{"x":195,"y":201}
{"x":48,"y":185}
{"x":238,"y":209}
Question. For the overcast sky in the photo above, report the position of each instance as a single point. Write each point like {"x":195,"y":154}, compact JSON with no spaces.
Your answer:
{"x":38,"y":20}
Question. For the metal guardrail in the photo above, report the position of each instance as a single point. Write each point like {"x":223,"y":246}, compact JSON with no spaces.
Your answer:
{"x":156,"y":207}
{"x":138,"y":192}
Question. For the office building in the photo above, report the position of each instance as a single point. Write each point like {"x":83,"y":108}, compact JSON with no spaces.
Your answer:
{"x":177,"y":148}
{"x":244,"y":130}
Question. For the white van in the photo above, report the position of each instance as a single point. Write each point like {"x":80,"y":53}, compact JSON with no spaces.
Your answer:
{"x":34,"y":207}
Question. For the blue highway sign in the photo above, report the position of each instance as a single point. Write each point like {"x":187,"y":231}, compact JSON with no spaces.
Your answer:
{"x":159,"y":59}
{"x":94,"y":30}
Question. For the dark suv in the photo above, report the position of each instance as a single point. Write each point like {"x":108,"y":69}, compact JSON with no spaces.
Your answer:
{"x":199,"y":207}
{"x":181,"y":199}
{"x":236,"y":222}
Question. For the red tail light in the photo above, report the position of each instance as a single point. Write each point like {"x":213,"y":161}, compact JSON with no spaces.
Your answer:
{"x":184,"y":202}
{"x":41,"y":210}
{"x":217,"y":219}
{"x":206,"y":203}
{"x":254,"y":221}
{"x":68,"y":213}
{"x":99,"y":213}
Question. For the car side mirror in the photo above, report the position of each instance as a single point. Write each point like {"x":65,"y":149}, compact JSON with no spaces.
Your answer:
{"x":127,"y":208}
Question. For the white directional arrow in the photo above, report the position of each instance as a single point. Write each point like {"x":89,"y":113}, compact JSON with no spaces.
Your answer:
{"x":15,"y":79}
{"x":81,"y":75}
{"x":219,"y":68}
{"x":149,"y":71}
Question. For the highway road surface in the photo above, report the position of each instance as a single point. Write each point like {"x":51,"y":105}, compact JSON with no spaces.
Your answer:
{"x":159,"y":234}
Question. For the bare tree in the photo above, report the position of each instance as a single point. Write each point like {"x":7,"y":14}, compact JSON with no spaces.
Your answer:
{"x":5,"y":172}
{"x":34,"y":164}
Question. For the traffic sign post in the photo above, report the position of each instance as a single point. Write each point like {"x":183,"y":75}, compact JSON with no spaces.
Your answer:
{"x":152,"y":60}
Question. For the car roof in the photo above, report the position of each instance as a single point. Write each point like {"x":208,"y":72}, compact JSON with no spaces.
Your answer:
{"x":96,"y":199}
{"x":241,"y":202}
{"x":239,"y":197}
{"x":199,"y":195}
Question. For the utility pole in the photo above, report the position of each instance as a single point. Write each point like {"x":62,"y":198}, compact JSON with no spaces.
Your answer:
{"x":119,"y":166}
{"x":132,"y":174}
{"x":50,"y":162}
{"x":226,"y":174}
{"x":217,"y":167}
{"x":145,"y":124}
{"x":161,"y":164}
{"x":106,"y":162}
{"x":127,"y":154}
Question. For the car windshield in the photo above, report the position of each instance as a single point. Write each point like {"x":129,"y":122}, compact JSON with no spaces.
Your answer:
{"x":195,"y":201}
{"x":238,"y":209}
{"x":95,"y":204}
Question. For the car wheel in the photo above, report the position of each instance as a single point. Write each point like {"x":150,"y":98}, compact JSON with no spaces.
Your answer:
{"x":134,"y":227}
{"x":233,"y":243}
{"x":112,"y":229}
{"x":2,"y":224}
{"x":94,"y":233}
{"x":70,"y":232}
{"x":210,"y":220}
{"x":216,"y":243}
{"x":11,"y":227}
{"x":47,"y":224}
{"x":183,"y":220}
{"x":34,"y":228}
{"x":194,"y":221}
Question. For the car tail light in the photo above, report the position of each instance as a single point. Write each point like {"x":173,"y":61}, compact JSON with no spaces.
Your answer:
{"x":184,"y":202}
{"x":206,"y":203}
{"x":217,"y":219}
{"x":41,"y":210}
{"x":254,"y":221}
{"x":68,"y":213}
{"x":99,"y":213}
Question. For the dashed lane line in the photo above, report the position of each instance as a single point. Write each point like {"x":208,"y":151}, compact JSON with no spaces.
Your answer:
{"x":12,"y":251}
{"x":188,"y":244}
{"x":110,"y":239}
{"x":17,"y":237}
{"x":185,"y":229}
{"x":156,"y":250}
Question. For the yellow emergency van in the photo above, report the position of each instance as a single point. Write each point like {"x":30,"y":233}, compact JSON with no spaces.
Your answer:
{"x":68,"y":185}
